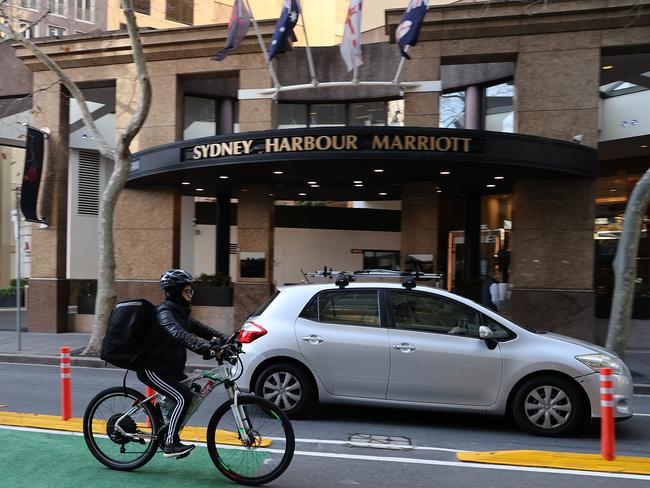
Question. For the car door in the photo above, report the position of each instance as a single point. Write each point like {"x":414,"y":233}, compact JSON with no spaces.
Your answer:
{"x":340,"y":334}
{"x":436,"y":355}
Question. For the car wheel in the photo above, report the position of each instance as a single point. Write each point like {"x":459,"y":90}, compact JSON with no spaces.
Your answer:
{"x":548,"y":406}
{"x":287,"y":386}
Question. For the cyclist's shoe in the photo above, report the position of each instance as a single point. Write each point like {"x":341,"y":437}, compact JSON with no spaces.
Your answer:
{"x":178,"y":450}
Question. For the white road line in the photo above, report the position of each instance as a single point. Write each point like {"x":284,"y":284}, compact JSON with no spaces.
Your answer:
{"x":404,"y":460}
{"x":355,"y":444}
{"x":642,"y":414}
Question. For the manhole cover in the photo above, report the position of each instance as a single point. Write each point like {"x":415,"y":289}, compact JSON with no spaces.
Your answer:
{"x":378,"y":441}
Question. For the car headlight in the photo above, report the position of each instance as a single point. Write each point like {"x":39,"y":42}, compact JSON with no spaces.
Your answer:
{"x":598,"y":361}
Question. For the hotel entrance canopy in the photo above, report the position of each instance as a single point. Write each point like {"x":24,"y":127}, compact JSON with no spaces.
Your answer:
{"x":358,"y":163}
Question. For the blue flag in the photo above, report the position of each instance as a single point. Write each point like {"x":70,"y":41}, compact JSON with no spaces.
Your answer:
{"x":409,"y":26}
{"x":284,"y":27}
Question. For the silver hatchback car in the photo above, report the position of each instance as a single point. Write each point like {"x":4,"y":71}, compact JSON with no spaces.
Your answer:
{"x":382,"y":344}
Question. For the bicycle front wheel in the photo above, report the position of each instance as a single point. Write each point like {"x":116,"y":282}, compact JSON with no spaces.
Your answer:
{"x":105,"y":440}
{"x":258,"y":455}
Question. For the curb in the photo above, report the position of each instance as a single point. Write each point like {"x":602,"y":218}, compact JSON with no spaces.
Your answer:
{"x":87,"y":362}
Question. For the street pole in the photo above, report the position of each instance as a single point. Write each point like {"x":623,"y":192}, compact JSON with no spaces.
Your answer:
{"x":18,"y":252}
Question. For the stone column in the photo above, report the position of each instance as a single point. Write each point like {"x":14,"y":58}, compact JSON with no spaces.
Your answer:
{"x":255,"y":232}
{"x":147,"y":222}
{"x":557,"y":78}
{"x":422,"y":109}
{"x":49,"y":312}
{"x":255,"y":114}
{"x":419,"y":229}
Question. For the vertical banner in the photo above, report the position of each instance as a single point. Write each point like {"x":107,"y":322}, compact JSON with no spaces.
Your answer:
{"x":34,"y":161}
{"x":351,"y":44}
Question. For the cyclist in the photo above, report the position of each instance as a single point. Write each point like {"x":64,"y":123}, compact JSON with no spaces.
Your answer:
{"x":163,"y":364}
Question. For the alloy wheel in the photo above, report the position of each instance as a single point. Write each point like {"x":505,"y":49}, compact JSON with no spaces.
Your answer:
{"x":283,"y":389}
{"x":548,"y":407}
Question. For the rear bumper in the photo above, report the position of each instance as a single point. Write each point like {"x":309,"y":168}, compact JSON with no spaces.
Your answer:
{"x":623,"y":394}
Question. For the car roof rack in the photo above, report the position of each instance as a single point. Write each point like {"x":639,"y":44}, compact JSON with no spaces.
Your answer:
{"x":343,"y":278}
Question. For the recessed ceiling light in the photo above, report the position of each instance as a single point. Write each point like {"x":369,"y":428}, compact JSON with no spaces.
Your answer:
{"x":382,"y":193}
{"x":359,"y":185}
{"x":315,"y":185}
{"x":378,"y":170}
{"x":200,"y":189}
{"x":445,"y":172}
{"x":612,"y":189}
{"x":490,"y":186}
{"x":271,"y":194}
{"x":223,"y":177}
{"x":438,"y":191}
{"x":644,"y":145}
{"x":608,"y":66}
{"x":244,"y":189}
{"x":302,"y":194}
{"x":278,"y":172}
{"x":357,"y":182}
{"x":311,"y":182}
{"x":185,"y":183}
{"x":498,"y":177}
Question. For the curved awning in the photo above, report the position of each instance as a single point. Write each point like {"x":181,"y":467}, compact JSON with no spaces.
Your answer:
{"x":336,"y":157}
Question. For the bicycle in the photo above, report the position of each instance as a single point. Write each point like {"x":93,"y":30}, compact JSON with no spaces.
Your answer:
{"x":249,"y":439}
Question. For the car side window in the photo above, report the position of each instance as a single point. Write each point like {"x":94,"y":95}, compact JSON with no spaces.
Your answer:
{"x":431,"y":313}
{"x":348,"y":307}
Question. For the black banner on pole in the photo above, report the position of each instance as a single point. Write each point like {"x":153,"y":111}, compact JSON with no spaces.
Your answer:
{"x":34,"y":154}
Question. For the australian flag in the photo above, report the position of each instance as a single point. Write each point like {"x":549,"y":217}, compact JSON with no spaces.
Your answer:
{"x":284,"y":27}
{"x":409,"y":26}
{"x":240,"y":21}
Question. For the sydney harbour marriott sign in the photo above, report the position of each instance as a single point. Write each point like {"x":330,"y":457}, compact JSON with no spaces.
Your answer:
{"x":331,"y":142}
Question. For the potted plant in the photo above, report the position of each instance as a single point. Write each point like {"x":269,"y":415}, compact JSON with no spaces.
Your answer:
{"x":86,"y":297}
{"x":8,"y":295}
{"x":213,"y":290}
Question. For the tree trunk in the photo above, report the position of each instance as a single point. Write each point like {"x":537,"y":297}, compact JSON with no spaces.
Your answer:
{"x":625,"y":266}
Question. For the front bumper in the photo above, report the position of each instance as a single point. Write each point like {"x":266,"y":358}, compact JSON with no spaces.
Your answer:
{"x":623,"y":393}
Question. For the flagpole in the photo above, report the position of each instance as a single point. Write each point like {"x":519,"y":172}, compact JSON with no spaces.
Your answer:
{"x":310,"y":60}
{"x":401,"y":65}
{"x":269,"y":62}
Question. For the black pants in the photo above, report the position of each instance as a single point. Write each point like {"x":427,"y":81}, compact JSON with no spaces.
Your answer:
{"x":170,"y":386}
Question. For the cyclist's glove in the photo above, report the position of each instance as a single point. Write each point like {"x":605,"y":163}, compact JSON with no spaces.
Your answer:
{"x":205,"y":350}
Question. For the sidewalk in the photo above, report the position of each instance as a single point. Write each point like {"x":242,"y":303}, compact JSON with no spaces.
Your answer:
{"x":44,"y":348}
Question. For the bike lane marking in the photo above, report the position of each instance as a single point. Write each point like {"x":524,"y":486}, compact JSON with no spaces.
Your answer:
{"x":416,"y":461}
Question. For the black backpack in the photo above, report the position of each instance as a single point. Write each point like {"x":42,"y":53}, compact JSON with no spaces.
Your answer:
{"x":127,"y":330}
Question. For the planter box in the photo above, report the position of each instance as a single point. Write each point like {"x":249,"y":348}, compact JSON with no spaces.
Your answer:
{"x":221,"y":296}
{"x":10,"y":302}
{"x":86,"y":304}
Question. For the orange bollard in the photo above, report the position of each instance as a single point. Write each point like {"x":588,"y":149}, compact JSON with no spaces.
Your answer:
{"x":607,"y":447}
{"x":66,"y":402}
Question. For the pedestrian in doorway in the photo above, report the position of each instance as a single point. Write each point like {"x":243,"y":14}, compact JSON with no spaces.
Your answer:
{"x":490,"y":293}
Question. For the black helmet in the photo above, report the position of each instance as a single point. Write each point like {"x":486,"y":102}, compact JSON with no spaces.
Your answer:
{"x":175,"y":277}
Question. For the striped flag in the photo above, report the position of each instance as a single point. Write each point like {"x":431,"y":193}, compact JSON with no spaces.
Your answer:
{"x":351,"y":44}
{"x":409,"y":26}
{"x":240,"y":21}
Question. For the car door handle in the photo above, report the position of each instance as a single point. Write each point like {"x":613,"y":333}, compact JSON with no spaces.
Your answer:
{"x":313,"y":339}
{"x":404,"y":347}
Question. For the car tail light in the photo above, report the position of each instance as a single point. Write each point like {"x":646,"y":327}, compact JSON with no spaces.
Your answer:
{"x":250,"y":331}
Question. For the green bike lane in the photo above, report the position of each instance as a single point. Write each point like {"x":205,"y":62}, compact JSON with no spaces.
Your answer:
{"x":37,"y":459}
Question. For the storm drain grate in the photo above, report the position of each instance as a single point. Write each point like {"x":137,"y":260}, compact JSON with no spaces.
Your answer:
{"x":377,"y":441}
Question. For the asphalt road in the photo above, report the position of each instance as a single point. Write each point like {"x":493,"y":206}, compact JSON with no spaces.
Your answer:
{"x":324,"y":459}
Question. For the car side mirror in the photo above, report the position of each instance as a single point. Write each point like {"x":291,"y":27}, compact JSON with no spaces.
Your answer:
{"x":485,"y":333}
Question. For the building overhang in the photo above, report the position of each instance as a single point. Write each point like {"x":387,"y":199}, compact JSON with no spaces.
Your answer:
{"x":338,"y":158}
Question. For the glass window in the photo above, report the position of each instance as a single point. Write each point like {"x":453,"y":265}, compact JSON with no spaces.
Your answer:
{"x":142,"y":6}
{"x":199,"y":118}
{"x":452,"y":110}
{"x":29,"y":31}
{"x":499,"y":112}
{"x":28,"y":3}
{"x":368,"y":113}
{"x":311,"y":309}
{"x":52,"y":30}
{"x":85,"y":10}
{"x":395,"y":113}
{"x":430,"y":313}
{"x":499,"y":331}
{"x":327,"y":114}
{"x":180,"y":11}
{"x":57,"y":7}
{"x":351,"y":307}
{"x":292,"y":115}
{"x":381,"y":260}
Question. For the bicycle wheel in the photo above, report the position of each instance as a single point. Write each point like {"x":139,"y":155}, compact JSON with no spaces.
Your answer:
{"x":265,"y":452}
{"x":110,"y":446}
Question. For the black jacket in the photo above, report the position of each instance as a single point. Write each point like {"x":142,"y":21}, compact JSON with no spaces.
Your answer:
{"x":172,"y":332}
